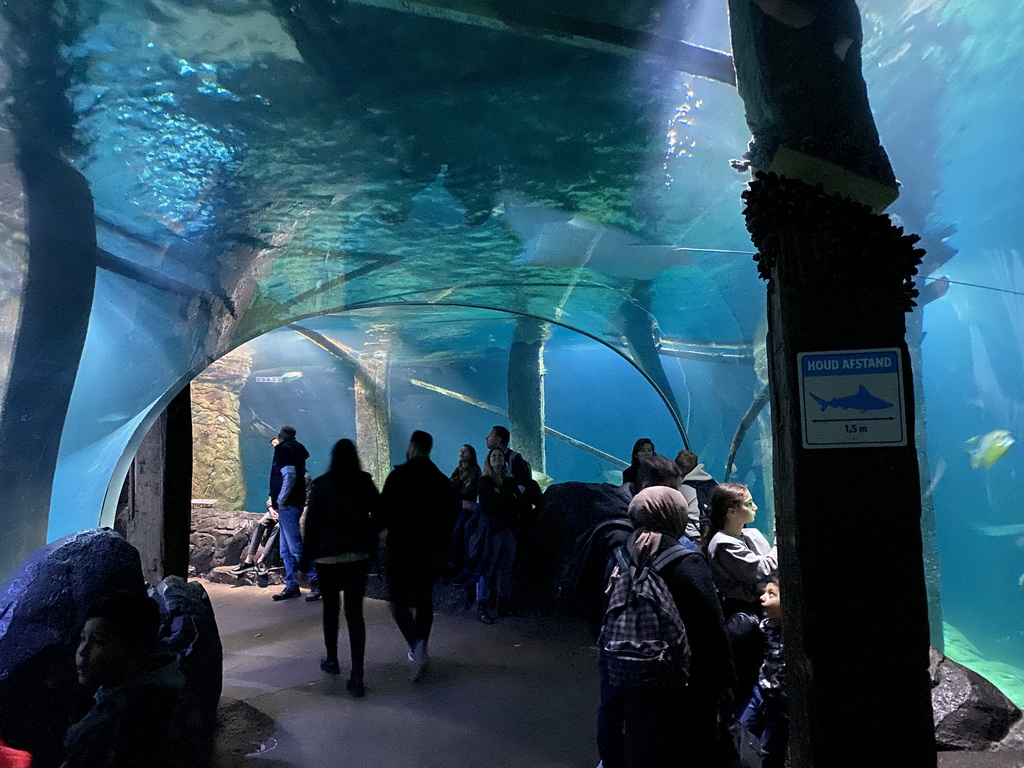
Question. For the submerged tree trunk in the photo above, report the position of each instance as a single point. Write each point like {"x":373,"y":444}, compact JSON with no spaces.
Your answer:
{"x":526,"y":390}
{"x":848,"y":515}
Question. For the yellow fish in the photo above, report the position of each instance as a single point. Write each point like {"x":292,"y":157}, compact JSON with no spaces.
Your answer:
{"x":985,"y":450}
{"x":542,"y":480}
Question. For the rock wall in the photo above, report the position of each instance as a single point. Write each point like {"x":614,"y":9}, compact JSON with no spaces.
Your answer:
{"x":217,"y":471}
{"x":218,"y":537}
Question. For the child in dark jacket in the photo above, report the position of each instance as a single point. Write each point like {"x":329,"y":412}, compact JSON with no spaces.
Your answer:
{"x":136,"y":687}
{"x":766,"y":714}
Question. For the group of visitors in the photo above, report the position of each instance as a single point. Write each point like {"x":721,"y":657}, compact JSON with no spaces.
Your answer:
{"x":699,"y":654}
{"x":495,"y":501}
{"x":418,"y":508}
{"x":707,"y":654}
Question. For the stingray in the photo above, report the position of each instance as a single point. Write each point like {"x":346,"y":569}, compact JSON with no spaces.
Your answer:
{"x":555,"y":238}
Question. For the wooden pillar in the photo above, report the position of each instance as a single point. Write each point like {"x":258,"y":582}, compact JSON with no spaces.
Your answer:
{"x":155,"y":509}
{"x":848,"y":516}
{"x":373,"y":415}
{"x":526,"y":390}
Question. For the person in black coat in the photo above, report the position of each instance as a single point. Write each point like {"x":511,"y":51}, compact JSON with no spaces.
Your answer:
{"x":651,"y":729}
{"x":418,"y":509}
{"x":642,"y":449}
{"x":341,"y":537}
{"x":501,"y":505}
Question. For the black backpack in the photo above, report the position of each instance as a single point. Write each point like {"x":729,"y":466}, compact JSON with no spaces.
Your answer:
{"x":643,"y":641}
{"x":705,"y":490}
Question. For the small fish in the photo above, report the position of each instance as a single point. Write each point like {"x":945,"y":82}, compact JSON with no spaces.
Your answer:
{"x":1009,"y":529}
{"x":940,"y":471}
{"x":986,"y":450}
{"x":1020,"y":581}
{"x":291,"y":376}
{"x":611,"y":476}
{"x":862,"y":401}
{"x":259,"y":426}
{"x":115,"y":418}
{"x":542,"y":480}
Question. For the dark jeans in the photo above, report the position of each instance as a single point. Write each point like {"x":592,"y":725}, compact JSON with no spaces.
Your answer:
{"x":411,"y":594}
{"x":349,"y":578}
{"x":496,"y":571}
{"x":266,"y":523}
{"x":768,"y":720}
{"x":656,"y":729}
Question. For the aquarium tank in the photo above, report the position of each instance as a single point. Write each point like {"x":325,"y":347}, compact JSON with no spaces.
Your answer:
{"x":366,"y":218}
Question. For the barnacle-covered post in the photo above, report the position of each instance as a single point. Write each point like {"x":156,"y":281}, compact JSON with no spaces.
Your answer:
{"x":847,"y":495}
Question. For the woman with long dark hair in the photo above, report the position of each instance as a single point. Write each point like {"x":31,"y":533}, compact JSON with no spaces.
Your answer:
{"x":464,"y":481}
{"x":501,"y":506}
{"x":742,"y":562}
{"x":642,"y":449}
{"x":341,"y":536}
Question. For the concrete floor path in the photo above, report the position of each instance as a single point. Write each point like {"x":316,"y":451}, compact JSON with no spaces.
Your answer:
{"x":519,"y":694}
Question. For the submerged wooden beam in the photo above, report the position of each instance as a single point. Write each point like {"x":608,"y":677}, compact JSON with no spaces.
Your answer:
{"x":559,"y":28}
{"x":710,"y":352}
{"x":614,"y":461}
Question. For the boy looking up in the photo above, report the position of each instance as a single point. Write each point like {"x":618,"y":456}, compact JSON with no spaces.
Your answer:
{"x":766,"y":713}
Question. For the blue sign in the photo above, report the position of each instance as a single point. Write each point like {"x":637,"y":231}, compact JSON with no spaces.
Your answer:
{"x":852,"y":398}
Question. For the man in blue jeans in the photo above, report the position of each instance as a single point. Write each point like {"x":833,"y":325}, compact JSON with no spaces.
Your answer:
{"x":287,"y":497}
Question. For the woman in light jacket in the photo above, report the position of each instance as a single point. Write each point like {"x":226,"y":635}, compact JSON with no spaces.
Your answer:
{"x":742,"y":562}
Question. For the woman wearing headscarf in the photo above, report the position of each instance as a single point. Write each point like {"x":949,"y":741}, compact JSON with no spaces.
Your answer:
{"x":655,"y":728}
{"x":341,"y":536}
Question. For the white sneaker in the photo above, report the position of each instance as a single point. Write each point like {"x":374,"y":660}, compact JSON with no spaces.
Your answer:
{"x":419,"y":662}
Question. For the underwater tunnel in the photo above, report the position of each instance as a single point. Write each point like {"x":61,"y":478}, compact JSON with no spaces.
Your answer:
{"x":460,"y":206}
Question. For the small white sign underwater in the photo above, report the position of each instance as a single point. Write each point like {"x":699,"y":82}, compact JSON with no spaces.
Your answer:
{"x":852,"y":398}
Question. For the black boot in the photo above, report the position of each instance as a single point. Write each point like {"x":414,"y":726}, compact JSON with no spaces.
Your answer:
{"x":504,"y":607}
{"x":482,"y":613}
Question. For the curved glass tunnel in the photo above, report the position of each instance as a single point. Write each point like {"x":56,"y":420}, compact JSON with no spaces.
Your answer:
{"x":418,"y":191}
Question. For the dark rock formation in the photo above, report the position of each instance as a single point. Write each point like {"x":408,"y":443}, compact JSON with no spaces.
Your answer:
{"x":970,"y":713}
{"x":42,"y":610}
{"x":218,"y":537}
{"x":272,"y":577}
{"x":189,"y":629}
{"x":566,"y":517}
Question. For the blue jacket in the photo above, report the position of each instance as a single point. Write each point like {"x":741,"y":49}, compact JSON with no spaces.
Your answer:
{"x":289,"y":453}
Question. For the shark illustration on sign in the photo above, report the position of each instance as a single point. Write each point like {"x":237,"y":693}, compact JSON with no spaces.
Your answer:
{"x":862,"y":401}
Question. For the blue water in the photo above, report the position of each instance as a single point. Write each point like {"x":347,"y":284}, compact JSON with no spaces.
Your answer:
{"x":330,"y":181}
